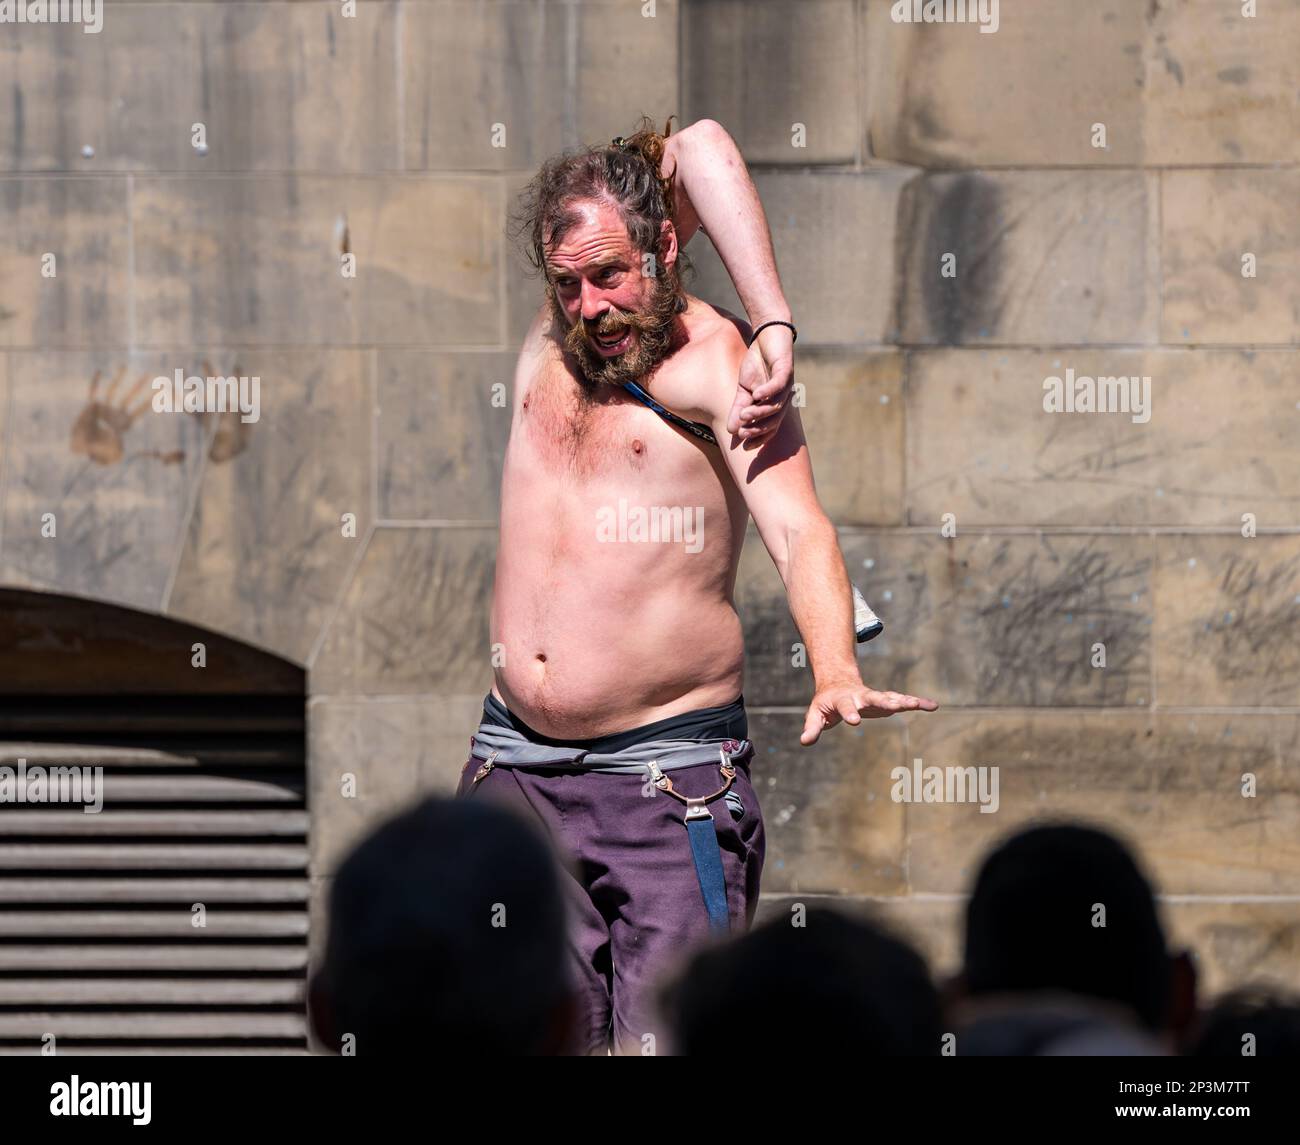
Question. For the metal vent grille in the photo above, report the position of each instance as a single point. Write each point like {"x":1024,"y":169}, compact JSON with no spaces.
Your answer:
{"x":203,"y":803}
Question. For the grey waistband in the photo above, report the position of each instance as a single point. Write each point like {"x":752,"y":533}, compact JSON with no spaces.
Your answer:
{"x":506,"y":747}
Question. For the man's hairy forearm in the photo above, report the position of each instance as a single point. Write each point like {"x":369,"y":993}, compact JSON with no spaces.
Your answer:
{"x":817,"y":585}
{"x":716,"y":193}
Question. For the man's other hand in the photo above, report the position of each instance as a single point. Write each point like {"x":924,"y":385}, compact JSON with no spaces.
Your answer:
{"x":854,"y":704}
{"x":764,"y":388}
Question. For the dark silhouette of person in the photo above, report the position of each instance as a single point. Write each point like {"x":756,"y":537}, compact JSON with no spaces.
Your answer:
{"x":1255,"y":1021}
{"x":446,"y":930}
{"x":834,"y":983}
{"x":1065,"y":953}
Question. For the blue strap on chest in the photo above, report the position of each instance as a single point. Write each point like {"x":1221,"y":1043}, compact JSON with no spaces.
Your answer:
{"x":694,"y":427}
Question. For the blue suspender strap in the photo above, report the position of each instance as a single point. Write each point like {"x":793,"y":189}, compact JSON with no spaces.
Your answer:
{"x":708,"y":868}
{"x":703,"y":836}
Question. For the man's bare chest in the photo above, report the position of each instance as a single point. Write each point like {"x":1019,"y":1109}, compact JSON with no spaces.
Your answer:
{"x":565,"y":430}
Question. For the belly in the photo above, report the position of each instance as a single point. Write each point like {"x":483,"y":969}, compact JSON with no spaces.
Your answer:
{"x":613,"y":609}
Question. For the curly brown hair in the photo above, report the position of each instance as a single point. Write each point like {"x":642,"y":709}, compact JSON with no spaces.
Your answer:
{"x":624,"y":173}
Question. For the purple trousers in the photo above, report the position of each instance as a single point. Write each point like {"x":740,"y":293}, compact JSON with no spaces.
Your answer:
{"x":636,"y":908}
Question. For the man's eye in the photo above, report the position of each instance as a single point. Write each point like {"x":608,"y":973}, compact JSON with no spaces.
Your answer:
{"x":564,"y":283}
{"x":608,"y":272}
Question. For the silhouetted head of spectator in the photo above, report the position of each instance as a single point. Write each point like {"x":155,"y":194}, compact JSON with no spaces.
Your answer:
{"x":833,"y":983}
{"x":1065,"y":908}
{"x":446,"y":929}
{"x":1252,"y":1020}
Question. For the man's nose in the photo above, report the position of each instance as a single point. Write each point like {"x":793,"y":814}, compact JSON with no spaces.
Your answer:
{"x":594,"y":306}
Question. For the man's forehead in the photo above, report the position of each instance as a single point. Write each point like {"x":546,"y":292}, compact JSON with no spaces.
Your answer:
{"x":598,"y":236}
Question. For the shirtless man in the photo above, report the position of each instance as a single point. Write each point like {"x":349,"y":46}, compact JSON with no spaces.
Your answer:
{"x":618,"y":694}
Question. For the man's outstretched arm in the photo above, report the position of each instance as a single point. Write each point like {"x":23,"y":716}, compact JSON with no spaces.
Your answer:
{"x":715,"y":194}
{"x":777,"y":484}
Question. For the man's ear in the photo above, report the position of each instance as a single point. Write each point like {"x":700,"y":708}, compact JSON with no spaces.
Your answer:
{"x":668,"y":247}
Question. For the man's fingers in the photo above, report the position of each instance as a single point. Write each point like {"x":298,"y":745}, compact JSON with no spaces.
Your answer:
{"x":887,"y":703}
{"x":905,"y":703}
{"x":847,"y":707}
{"x":852,"y":706}
{"x":759,"y":412}
{"x":893,"y":701}
{"x":754,"y":432}
{"x":774,"y":389}
{"x":815,"y":723}
{"x":743,"y":399}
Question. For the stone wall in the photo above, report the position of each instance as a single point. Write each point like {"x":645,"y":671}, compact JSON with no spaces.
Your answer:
{"x":878,"y":148}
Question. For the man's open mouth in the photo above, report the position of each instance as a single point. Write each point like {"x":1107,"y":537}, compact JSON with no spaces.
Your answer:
{"x":613,"y":343}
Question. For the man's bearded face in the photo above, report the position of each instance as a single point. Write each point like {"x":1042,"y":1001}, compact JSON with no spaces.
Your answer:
{"x":622,"y":345}
{"x":619,"y":325}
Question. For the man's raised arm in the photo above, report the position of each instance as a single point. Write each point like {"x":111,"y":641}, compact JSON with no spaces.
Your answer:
{"x":715,"y":194}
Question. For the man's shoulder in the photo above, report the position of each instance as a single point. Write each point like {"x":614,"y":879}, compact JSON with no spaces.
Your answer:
{"x":539,"y":349}
{"x":702,"y":379}
{"x":719,"y":330}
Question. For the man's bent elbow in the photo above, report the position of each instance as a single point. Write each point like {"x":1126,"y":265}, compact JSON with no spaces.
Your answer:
{"x":700,"y":127}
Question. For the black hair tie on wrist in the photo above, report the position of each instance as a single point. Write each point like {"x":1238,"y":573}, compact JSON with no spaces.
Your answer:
{"x":774,"y":322}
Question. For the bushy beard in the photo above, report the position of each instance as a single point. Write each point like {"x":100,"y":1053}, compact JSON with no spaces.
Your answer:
{"x":655,"y":327}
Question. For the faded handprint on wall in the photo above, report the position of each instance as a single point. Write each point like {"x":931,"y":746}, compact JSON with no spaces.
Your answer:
{"x":231,"y":436}
{"x":100,"y":430}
